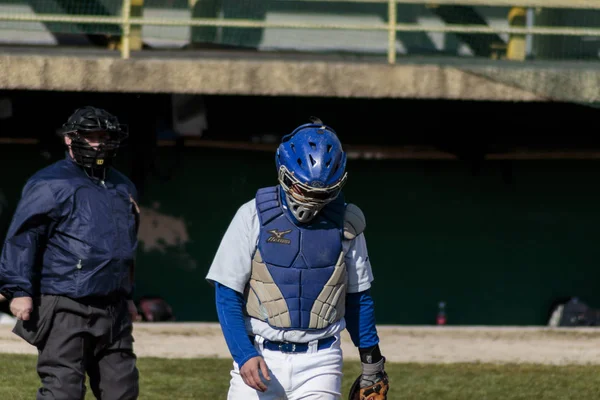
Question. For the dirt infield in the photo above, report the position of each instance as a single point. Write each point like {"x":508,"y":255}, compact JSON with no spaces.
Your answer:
{"x":399,"y":343}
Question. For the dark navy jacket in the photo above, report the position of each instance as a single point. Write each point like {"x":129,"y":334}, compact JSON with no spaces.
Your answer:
{"x":71,"y":235}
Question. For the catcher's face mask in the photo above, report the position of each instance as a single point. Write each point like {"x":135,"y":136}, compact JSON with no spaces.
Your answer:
{"x":311,"y":168}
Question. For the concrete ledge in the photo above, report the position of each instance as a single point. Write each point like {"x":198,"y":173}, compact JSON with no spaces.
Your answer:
{"x":286,"y":76}
{"x":563,"y":82}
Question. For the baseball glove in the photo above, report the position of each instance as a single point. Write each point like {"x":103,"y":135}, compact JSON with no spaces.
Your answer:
{"x":375,"y":391}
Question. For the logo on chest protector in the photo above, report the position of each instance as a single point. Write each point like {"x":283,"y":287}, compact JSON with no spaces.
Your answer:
{"x":278,"y":237}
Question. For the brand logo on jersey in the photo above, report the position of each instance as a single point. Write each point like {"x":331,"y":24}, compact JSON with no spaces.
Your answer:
{"x":278,"y":237}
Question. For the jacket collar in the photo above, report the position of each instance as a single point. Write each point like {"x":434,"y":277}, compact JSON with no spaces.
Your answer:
{"x":84,"y":171}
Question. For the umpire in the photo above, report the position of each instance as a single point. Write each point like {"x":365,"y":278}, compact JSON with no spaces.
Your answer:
{"x":67,"y":265}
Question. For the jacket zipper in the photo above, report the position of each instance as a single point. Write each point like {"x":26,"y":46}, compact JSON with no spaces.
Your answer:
{"x":115,"y":226}
{"x":78,"y":277}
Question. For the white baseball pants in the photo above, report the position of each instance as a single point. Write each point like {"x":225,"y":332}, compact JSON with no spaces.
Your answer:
{"x":314,"y":375}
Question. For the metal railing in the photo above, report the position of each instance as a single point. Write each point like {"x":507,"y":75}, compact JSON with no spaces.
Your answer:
{"x":126,"y":21}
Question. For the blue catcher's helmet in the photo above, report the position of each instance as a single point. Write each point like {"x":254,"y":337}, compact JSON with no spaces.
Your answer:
{"x":312,"y":168}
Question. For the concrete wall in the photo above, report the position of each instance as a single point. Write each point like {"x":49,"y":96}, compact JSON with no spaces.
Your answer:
{"x":223,"y":74}
{"x":428,"y":67}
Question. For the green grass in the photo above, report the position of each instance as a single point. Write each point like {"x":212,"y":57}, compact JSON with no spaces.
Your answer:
{"x":209,"y":379}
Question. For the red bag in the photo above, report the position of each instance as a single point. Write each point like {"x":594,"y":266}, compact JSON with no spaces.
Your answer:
{"x":156,"y":309}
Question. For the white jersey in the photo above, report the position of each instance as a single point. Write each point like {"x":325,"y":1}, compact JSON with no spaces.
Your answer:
{"x":232,"y":265}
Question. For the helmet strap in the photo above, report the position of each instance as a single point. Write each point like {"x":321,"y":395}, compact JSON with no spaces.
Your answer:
{"x":95,"y":173}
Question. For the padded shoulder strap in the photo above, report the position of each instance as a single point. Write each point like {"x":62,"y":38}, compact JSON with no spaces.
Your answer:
{"x":267,"y":204}
{"x":354,"y":221}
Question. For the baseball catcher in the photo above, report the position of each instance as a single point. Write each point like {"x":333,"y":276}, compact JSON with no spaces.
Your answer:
{"x":292,"y":271}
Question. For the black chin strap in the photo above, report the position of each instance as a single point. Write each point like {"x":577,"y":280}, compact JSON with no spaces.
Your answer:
{"x":95,"y":173}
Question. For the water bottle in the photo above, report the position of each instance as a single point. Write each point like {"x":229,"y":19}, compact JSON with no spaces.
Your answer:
{"x":441,"y":315}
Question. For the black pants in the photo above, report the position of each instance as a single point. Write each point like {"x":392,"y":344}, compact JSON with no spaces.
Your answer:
{"x":78,"y":338}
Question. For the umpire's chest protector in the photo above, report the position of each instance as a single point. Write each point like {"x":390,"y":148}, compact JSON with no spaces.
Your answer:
{"x":298,"y":278}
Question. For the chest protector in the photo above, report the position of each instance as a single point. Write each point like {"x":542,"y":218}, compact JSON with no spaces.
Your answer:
{"x":298,"y":278}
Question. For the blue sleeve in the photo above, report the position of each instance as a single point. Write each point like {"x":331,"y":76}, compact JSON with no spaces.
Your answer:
{"x":229,"y":309}
{"x":360,"y":319}
{"x":26,"y":234}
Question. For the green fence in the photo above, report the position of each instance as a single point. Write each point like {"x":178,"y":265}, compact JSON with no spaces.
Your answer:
{"x":497,"y":251}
